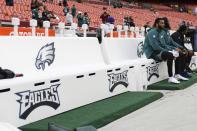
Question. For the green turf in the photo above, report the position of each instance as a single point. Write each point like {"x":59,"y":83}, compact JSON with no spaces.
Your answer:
{"x":99,"y":113}
{"x":164,"y":85}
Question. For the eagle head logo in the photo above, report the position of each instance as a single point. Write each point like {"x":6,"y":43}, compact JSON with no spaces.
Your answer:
{"x":140,"y":51}
{"x":45,"y":55}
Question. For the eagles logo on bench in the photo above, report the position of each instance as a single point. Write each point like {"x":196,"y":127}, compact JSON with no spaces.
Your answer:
{"x":45,"y":55}
{"x":140,"y":50}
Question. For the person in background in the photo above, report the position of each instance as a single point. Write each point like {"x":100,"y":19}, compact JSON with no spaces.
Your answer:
{"x":191,"y":24}
{"x":110,"y":20}
{"x":128,"y":5}
{"x":66,"y":10}
{"x":36,"y":4}
{"x":80,"y":19}
{"x":86,"y":19}
{"x":147,"y":25}
{"x":114,"y":4}
{"x":183,"y":22}
{"x":69,"y":18}
{"x":188,"y":24}
{"x":119,"y":4}
{"x":130,"y":22}
{"x":36,"y":13}
{"x":125,"y":21}
{"x":52,"y":15}
{"x":9,"y":2}
{"x":33,"y":6}
{"x":36,"y":16}
{"x":73,"y":11}
{"x":45,"y":14}
{"x":104,"y":17}
{"x":65,"y":3}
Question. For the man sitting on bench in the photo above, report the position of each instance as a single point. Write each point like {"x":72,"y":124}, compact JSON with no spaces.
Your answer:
{"x":156,"y":48}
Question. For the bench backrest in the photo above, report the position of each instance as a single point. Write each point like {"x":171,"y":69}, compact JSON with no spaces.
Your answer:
{"x":117,"y":50}
{"x":38,"y":54}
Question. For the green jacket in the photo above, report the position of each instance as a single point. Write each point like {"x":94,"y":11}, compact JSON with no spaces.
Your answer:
{"x":35,"y":14}
{"x":73,"y":11}
{"x":80,"y":20}
{"x":86,"y":20}
{"x":154,"y":41}
{"x":171,"y":43}
{"x":164,"y":42}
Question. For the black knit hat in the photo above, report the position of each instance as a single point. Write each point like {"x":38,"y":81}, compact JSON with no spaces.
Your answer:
{"x":182,"y":28}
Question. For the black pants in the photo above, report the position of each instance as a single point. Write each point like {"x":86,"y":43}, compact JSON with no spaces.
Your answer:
{"x":180,"y":63}
{"x":164,"y":56}
{"x":188,"y":59}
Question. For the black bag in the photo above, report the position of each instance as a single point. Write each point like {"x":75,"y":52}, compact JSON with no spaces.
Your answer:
{"x":6,"y":74}
{"x":86,"y":128}
{"x":54,"y":127}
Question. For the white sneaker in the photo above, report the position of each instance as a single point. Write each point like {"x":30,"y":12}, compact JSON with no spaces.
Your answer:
{"x":173,"y":80}
{"x":179,"y":77}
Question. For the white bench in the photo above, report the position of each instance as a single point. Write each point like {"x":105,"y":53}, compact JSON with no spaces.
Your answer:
{"x":129,"y":51}
{"x":77,"y":76}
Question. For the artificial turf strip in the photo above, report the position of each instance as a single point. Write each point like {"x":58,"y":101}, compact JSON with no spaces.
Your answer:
{"x":164,"y":85}
{"x":99,"y":113}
